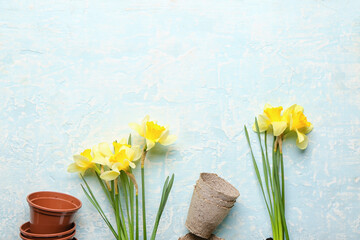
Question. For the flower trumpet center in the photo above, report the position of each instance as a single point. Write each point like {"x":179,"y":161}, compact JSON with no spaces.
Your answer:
{"x":120,"y":160}
{"x":299,"y":121}
{"x":274,"y":113}
{"x":87,"y":164}
{"x":153,"y":131}
{"x":118,"y":157}
{"x":87,"y":153}
{"x":117,"y":146}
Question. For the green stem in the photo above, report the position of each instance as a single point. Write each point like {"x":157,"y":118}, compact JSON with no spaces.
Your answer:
{"x":143,"y":191}
{"x":137,"y":217}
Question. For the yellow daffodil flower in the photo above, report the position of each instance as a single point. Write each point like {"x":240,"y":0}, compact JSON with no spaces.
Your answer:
{"x":271,"y":120}
{"x":122,"y":159}
{"x":153,"y":133}
{"x":83,"y":161}
{"x":299,"y":124}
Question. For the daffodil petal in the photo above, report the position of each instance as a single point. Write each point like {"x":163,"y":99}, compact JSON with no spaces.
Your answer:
{"x":131,"y":164}
{"x":304,"y":143}
{"x":263,"y":123}
{"x":287,"y":114}
{"x":267,"y":105}
{"x":81,"y":161}
{"x":123,"y":140}
{"x":149,"y":144}
{"x":73,"y":167}
{"x":278,"y":127}
{"x":146,"y":118}
{"x":300,"y":136}
{"x":100,"y":160}
{"x":130,"y":153}
{"x":109,"y":175}
{"x":308,"y":129}
{"x":117,"y":166}
{"x":104,"y":149}
{"x":137,"y":128}
{"x":169,"y":140}
{"x":137,"y":152}
{"x":164,"y":135}
{"x":298,"y":108}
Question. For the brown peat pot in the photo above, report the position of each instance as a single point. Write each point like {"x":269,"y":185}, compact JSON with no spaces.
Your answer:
{"x":52,"y":212}
{"x":67,"y":237}
{"x":217,"y":187}
{"x":191,"y":236}
{"x":212,"y":199}
{"x":25,"y":231}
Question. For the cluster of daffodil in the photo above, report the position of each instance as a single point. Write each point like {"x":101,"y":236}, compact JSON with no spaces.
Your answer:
{"x":281,"y":125}
{"x":113,"y":170}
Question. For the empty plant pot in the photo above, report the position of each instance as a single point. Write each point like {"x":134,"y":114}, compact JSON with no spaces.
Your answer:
{"x":67,"y":237}
{"x":191,"y":236}
{"x":208,"y":196}
{"x":218,"y":187}
{"x":52,"y":212}
{"x":25,"y":231}
{"x":204,"y":216}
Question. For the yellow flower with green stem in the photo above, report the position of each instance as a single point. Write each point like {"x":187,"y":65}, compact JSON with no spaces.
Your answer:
{"x":153,"y":133}
{"x":272,"y":181}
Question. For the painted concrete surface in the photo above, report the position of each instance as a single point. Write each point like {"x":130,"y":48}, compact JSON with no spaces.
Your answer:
{"x":75,"y":73}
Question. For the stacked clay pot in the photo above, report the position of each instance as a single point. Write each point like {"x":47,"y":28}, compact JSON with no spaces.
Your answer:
{"x":212,"y":199}
{"x":51,"y":216}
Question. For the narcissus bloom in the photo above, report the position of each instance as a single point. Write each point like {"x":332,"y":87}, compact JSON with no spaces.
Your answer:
{"x":299,"y":124}
{"x":271,"y":120}
{"x":292,"y":120}
{"x":83,"y":162}
{"x":153,"y":133}
{"x":122,"y":159}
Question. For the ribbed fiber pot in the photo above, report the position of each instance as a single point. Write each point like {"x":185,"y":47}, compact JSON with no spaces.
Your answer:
{"x":218,"y":187}
{"x":204,"y":216}
{"x":208,"y":196}
{"x":191,"y":236}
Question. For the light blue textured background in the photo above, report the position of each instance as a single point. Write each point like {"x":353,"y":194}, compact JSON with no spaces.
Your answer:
{"x":75,"y":73}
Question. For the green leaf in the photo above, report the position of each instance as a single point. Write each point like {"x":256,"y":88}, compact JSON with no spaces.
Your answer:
{"x":165,"y":194}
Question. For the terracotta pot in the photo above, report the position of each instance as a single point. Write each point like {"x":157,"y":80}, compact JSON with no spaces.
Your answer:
{"x":52,"y":212}
{"x":25,"y":231}
{"x":218,"y":187}
{"x":204,"y":216}
{"x":68,"y":237}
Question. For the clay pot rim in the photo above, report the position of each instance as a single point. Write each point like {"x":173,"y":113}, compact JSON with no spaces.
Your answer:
{"x":26,"y":227}
{"x":69,"y":237}
{"x":77,"y":207}
{"x":234,"y":190}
